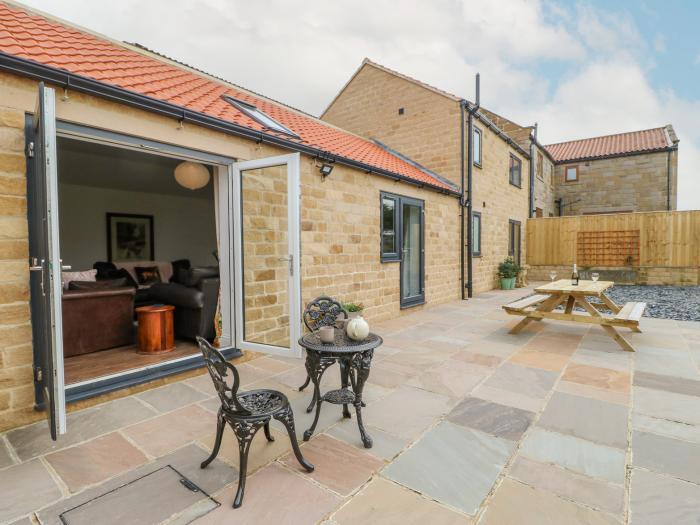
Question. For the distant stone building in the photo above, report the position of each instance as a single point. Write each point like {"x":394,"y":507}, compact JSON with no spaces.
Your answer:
{"x":626,"y":172}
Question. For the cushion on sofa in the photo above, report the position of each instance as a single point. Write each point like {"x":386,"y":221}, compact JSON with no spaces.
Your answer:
{"x":164,"y":268}
{"x":147,"y":275}
{"x":87,"y":275}
{"x":106,"y":284}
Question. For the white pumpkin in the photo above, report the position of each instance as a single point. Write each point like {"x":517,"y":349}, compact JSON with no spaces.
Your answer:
{"x":357,"y":329}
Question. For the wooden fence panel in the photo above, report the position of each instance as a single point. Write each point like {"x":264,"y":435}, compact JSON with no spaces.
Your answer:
{"x":666,"y":239}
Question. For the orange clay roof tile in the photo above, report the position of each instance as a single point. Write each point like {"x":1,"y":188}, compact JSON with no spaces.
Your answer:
{"x":31,"y":36}
{"x":611,"y":145}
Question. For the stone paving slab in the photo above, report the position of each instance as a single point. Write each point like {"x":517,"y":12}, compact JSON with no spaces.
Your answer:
{"x":95,"y":460}
{"x":595,"y":376}
{"x":406,"y":412}
{"x":506,"y":397}
{"x":261,"y":451}
{"x":602,"y":394}
{"x":453,"y":465}
{"x":670,"y":363}
{"x":570,"y":485}
{"x":384,"y":445}
{"x":498,"y":420}
{"x":24,"y":488}
{"x":662,"y":454}
{"x":34,"y":440}
{"x":597,"y":421}
{"x":273,"y":495}
{"x":5,"y":457}
{"x":339,"y":466}
{"x":657,"y":499}
{"x":515,"y":503}
{"x":577,"y":454}
{"x":678,"y":385}
{"x":163,"y":434}
{"x":171,"y":397}
{"x":665,"y":427}
{"x":531,"y":382}
{"x":667,"y":405}
{"x":386,"y":503}
{"x":185,"y":460}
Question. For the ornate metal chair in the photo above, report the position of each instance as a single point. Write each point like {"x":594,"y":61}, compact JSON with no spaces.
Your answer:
{"x":322,"y":311}
{"x":246,"y":413}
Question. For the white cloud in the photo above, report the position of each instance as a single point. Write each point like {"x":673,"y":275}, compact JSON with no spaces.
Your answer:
{"x":575,"y":69}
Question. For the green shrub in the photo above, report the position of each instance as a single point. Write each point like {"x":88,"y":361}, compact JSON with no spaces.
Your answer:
{"x":353,"y":307}
{"x":508,"y":268}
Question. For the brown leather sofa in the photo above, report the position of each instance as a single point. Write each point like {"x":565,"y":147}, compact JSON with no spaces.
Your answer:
{"x":97,"y":319}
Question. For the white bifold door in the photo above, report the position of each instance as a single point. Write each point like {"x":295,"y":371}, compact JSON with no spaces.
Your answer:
{"x":266,"y":254}
{"x":45,"y":262}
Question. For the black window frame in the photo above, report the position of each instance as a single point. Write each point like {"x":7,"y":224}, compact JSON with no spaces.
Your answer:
{"x":399,"y":201}
{"x":394,"y":256}
{"x":540,"y":165}
{"x":477,"y":131}
{"x":477,"y":243}
{"x":512,"y":224}
{"x":511,"y":163}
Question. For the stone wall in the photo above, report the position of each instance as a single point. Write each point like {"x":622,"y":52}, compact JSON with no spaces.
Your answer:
{"x":340,"y":225}
{"x":620,"y":184}
{"x":427,"y":131}
{"x":16,"y":382}
{"x":498,"y":201}
{"x":544,"y":185}
{"x":647,"y":275}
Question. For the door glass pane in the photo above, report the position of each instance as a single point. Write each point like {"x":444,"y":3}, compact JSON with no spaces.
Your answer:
{"x":411,"y":267}
{"x":265,"y":256}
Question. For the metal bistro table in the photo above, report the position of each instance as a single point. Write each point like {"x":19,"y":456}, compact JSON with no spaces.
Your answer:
{"x":354,"y":359}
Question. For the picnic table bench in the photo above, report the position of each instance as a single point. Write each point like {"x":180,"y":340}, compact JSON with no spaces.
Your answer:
{"x":549,"y":297}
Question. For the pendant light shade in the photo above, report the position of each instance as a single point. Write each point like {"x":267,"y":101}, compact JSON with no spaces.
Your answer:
{"x":191,"y":175}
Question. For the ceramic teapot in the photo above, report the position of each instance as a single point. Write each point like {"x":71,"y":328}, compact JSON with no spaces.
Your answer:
{"x":357,"y":329}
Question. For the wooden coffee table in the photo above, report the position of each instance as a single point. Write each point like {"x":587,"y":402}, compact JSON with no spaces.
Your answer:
{"x":156,"y":335}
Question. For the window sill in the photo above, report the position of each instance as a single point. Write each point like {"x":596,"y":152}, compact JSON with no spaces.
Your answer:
{"x":516,"y":185}
{"x":412,"y":304}
{"x":477,"y":165}
{"x":389,"y":260}
{"x":476,"y":256}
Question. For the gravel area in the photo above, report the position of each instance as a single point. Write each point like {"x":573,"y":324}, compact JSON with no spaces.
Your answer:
{"x":681,"y":303}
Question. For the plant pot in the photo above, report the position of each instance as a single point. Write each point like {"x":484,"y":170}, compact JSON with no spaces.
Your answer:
{"x":507,"y":283}
{"x":354,"y":315}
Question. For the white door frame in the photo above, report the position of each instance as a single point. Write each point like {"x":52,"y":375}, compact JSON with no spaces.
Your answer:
{"x":292,"y":162}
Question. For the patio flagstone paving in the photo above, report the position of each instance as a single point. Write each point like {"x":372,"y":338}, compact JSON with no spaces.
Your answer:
{"x":470,"y":424}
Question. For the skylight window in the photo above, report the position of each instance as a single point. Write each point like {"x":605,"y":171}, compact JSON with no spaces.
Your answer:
{"x":258,"y":115}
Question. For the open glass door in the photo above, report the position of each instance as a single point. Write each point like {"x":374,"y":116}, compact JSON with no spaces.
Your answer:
{"x":45,"y":263}
{"x":412,"y":253}
{"x":266,"y":226}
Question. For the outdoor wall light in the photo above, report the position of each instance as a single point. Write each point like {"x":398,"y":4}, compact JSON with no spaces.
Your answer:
{"x":326,"y":169}
{"x":191,"y":175}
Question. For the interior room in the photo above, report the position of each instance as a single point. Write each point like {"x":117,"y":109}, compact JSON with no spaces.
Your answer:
{"x":138,"y":241}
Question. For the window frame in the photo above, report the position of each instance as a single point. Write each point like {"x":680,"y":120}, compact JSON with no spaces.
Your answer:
{"x":259,"y":116}
{"x":394,"y":256}
{"x":512,"y":160}
{"x":540,"y":165}
{"x":476,"y":215}
{"x":566,"y":173}
{"x":477,"y":131}
{"x":512,"y":224}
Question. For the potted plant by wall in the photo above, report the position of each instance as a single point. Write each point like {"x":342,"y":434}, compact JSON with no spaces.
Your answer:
{"x":508,"y":271}
{"x":354,"y":309}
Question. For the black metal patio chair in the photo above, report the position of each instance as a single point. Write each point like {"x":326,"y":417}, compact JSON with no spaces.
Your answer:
{"x":322,"y":311}
{"x":246,"y":413}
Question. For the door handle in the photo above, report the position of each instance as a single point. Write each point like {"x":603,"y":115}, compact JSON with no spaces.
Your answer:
{"x":38,"y":266}
{"x":65,"y":267}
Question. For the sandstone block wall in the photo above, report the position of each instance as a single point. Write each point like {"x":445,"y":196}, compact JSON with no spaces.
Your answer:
{"x":620,"y":184}
{"x":16,"y":380}
{"x":428,"y":131}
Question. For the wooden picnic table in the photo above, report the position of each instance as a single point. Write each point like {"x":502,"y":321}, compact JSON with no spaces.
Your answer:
{"x":550,"y":296}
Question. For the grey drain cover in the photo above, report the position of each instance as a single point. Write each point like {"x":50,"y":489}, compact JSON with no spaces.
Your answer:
{"x":162,"y":495}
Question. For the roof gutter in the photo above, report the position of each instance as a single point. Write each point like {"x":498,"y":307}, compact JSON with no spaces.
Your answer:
{"x":474,"y":109}
{"x":67,"y":80}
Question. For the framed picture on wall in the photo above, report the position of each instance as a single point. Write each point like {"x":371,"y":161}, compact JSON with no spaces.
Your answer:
{"x":129,"y":237}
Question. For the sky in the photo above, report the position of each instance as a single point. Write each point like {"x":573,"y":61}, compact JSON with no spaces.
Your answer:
{"x":577,"y":68}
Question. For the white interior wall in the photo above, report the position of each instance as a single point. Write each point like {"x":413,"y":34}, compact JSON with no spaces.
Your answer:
{"x":184,"y":228}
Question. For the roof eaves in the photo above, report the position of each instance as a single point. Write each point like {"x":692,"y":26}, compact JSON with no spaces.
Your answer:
{"x":38,"y":71}
{"x":501,"y":134}
{"x":616,"y":155}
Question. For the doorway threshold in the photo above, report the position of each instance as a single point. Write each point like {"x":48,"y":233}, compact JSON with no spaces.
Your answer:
{"x":110,"y":383}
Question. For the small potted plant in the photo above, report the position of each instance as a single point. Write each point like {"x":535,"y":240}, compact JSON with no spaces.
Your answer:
{"x":354,"y":309}
{"x":508,"y":271}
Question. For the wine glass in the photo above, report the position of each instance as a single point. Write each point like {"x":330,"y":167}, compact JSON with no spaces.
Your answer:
{"x":552,"y":275}
{"x":595,"y":276}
